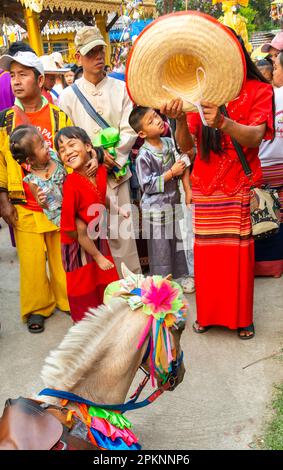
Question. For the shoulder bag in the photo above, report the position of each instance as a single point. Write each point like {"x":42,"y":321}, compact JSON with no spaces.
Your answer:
{"x":264,"y":203}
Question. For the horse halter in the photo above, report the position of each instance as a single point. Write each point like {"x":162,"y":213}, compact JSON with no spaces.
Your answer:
{"x":171,"y":377}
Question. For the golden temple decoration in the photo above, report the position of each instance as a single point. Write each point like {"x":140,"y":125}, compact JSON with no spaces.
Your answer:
{"x":234,"y":20}
{"x":103,"y":6}
{"x":232,"y":3}
{"x":33,"y":5}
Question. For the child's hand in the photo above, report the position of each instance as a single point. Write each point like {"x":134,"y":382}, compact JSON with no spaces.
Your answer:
{"x":178,"y":168}
{"x":41,"y":199}
{"x":92,"y":166}
{"x":124,"y":213}
{"x":188,"y":197}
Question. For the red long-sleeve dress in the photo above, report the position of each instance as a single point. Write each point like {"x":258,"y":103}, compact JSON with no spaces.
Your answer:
{"x":86,"y":282}
{"x":224,"y":247}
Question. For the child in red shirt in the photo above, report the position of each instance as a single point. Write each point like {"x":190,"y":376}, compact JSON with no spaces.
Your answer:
{"x":84,"y":198}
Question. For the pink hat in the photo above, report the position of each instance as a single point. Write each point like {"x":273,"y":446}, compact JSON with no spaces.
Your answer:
{"x":276,"y":43}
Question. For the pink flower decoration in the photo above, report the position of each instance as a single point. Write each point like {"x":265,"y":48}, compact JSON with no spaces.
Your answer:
{"x":158,"y":296}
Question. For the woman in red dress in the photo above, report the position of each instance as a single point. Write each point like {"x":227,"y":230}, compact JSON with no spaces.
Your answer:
{"x":87,"y":261}
{"x":224,"y":247}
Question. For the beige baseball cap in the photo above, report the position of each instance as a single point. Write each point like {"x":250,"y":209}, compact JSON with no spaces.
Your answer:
{"x":87,"y":38}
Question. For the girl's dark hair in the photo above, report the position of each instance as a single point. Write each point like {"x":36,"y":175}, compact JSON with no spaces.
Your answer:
{"x":21,"y":142}
{"x":211,"y":138}
{"x":71,"y":132}
{"x":74,"y":132}
{"x":280,"y":55}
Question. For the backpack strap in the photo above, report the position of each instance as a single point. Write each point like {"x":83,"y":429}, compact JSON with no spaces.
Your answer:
{"x":6,"y":119}
{"x":89,"y":108}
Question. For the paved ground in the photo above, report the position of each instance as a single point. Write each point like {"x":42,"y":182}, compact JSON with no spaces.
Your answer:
{"x":219,"y":405}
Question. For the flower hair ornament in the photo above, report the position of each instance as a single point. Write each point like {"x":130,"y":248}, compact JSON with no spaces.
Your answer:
{"x":163,"y":302}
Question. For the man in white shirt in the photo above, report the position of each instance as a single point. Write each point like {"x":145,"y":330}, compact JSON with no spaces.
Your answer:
{"x":110,"y":99}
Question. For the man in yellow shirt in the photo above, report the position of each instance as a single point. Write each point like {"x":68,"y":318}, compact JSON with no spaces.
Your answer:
{"x":36,"y":237}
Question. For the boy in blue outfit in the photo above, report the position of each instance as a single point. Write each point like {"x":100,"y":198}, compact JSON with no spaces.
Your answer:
{"x":159,"y":169}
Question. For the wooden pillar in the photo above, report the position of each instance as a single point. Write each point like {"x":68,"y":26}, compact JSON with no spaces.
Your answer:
{"x":33,"y":29}
{"x":100,"y":21}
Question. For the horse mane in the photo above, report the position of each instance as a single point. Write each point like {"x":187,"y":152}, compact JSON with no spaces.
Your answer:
{"x":68,"y":364}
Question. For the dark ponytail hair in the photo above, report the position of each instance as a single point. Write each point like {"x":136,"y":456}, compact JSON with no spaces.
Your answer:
{"x":211,"y":138}
{"x":21,"y":142}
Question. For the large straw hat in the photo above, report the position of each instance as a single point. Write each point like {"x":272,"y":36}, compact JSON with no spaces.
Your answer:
{"x":189,"y":53}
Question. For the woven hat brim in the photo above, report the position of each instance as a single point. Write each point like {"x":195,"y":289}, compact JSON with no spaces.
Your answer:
{"x":170,"y":50}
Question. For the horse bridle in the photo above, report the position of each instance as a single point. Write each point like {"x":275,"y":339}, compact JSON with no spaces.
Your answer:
{"x":172,"y":376}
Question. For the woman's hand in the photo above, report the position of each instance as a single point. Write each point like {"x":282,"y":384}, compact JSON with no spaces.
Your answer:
{"x":212,"y":114}
{"x":173,"y":109}
{"x":188,"y":196}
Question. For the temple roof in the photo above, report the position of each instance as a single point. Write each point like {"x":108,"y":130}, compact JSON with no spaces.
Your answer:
{"x":66,"y":10}
{"x":89,"y":6}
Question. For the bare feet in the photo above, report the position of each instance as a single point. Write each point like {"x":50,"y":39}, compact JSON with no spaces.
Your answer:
{"x":103,"y":262}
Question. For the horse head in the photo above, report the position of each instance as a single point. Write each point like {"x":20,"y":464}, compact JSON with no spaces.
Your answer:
{"x":141,"y":323}
{"x":131,"y":286}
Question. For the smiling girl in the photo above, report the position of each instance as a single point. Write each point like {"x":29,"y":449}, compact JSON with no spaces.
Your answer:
{"x":44,"y":172}
{"x":88,"y":263}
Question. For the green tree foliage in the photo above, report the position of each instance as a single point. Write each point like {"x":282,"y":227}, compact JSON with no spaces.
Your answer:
{"x":249,"y":13}
{"x":262,"y":19}
{"x":257,"y":13}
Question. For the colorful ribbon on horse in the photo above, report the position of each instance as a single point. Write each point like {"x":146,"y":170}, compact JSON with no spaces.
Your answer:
{"x":163,"y":302}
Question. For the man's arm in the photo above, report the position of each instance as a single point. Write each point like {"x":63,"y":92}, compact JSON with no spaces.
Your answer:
{"x":127,"y":134}
{"x":7,"y":210}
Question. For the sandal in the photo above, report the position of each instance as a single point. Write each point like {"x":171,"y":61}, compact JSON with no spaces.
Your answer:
{"x":249,"y":328}
{"x":35,"y":323}
{"x":200,"y":329}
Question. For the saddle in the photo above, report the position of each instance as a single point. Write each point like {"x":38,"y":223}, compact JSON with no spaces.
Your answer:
{"x":27,"y":424}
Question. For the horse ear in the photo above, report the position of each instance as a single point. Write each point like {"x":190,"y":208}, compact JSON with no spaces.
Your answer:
{"x":126,"y":272}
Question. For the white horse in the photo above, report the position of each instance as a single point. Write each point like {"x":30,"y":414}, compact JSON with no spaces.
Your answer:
{"x":99,"y":356}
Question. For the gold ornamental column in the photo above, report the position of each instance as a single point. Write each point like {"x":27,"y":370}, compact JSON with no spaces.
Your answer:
{"x":100,"y":21}
{"x":33,"y":30}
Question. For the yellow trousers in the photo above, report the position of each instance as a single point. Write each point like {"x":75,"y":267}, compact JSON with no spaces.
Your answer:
{"x":40,"y":292}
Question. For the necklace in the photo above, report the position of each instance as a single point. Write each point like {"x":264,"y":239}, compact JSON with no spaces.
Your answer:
{"x":43,"y":168}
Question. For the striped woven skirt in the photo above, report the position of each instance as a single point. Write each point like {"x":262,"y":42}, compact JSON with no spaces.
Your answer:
{"x":269,"y":252}
{"x":86,"y":282}
{"x":224,"y":259}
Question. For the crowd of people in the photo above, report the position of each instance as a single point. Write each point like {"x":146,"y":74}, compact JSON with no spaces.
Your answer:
{"x":69,"y":201}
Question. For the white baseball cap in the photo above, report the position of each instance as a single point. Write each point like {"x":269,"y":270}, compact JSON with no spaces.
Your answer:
{"x":26,"y":58}
{"x":49,"y":65}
